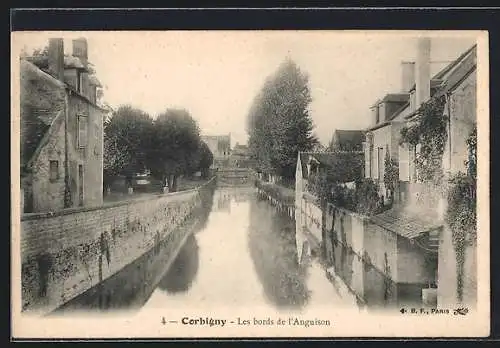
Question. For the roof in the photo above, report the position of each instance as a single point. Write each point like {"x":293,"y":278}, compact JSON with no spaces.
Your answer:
{"x":350,"y":138}
{"x":450,"y":66}
{"x":346,"y":169}
{"x":466,"y":65}
{"x":42,"y":99}
{"x":437,"y":79}
{"x":396,"y":97}
{"x":405,"y":224}
{"x":70,"y":62}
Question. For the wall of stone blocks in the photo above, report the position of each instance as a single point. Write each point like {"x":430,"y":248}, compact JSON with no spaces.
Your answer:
{"x":66,"y":253}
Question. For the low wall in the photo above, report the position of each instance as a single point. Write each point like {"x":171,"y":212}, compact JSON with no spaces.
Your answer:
{"x":377,"y":265}
{"x":270,"y":192}
{"x":66,"y":253}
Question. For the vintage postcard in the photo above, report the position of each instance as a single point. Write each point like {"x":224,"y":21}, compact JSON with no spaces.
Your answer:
{"x":197,"y":184}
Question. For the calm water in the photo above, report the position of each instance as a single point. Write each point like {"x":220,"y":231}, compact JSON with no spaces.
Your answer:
{"x":240,"y":253}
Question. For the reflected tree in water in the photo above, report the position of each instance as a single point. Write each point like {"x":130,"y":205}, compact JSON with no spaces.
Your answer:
{"x":273,"y":251}
{"x":183,"y":270}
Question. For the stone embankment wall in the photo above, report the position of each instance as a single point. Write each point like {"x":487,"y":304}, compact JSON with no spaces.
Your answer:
{"x":64,"y":254}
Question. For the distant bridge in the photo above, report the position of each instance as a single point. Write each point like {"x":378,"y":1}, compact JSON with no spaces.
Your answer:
{"x":227,"y":177}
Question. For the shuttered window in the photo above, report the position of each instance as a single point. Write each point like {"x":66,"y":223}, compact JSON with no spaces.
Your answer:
{"x":411,"y":160}
{"x":366,"y":147}
{"x":82,"y":131}
{"x":404,"y":163}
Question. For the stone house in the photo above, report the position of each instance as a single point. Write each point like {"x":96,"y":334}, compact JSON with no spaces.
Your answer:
{"x":220,"y":146}
{"x":419,"y":201}
{"x":61,"y":130}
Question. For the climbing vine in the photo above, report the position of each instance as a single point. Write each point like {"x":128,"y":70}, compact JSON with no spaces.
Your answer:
{"x":428,"y":130}
{"x":461,"y":211}
{"x":391,"y":173}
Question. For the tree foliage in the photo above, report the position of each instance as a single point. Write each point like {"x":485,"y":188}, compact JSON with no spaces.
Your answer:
{"x":174,"y":145}
{"x":278,"y":122}
{"x":126,"y":135}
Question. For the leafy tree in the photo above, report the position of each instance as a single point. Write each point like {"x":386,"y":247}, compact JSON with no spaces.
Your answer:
{"x":173,"y":145}
{"x":278,"y":122}
{"x":206,"y":159}
{"x":127,"y":140}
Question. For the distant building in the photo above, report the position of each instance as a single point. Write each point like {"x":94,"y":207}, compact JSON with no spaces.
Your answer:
{"x":347,"y":140}
{"x":240,"y":156}
{"x":220,"y":145}
{"x":61,"y":130}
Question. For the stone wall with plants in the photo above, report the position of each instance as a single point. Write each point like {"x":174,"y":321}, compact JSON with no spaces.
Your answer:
{"x":429,"y":131}
{"x":66,"y":253}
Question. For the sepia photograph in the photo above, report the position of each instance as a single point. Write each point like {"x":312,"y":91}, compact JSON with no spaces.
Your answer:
{"x":182,"y":184}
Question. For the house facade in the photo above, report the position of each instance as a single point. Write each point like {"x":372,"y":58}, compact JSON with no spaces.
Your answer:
{"x":61,"y":130}
{"x":415,"y":198}
{"x":220,"y":146}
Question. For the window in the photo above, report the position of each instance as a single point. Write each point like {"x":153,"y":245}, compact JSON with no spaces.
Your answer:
{"x":54,"y":170}
{"x":79,"y":82}
{"x":82,"y":131}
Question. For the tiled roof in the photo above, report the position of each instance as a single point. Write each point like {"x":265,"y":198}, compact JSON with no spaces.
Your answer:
{"x":465,"y":66}
{"x":396,"y":97}
{"x":352,"y":139}
{"x":405,"y":224}
{"x":42,"y":99}
{"x":70,"y":62}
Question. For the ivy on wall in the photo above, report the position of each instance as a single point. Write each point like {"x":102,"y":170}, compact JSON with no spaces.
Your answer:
{"x":428,"y":129}
{"x":391,"y":173}
{"x":461,"y":214}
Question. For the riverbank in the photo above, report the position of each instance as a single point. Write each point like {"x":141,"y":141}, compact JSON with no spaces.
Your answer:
{"x":184,"y":184}
{"x":282,"y":194}
{"x":66,"y":253}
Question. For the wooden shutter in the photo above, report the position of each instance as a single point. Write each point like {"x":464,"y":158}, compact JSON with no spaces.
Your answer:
{"x":82,"y":131}
{"x":375,"y":162}
{"x":404,"y":163}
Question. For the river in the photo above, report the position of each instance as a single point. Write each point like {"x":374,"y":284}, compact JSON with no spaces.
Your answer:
{"x":241,"y":254}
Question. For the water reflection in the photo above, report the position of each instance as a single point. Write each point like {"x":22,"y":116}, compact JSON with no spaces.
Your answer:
{"x":243,"y":255}
{"x":131,"y":287}
{"x":183,"y":270}
{"x":271,"y":240}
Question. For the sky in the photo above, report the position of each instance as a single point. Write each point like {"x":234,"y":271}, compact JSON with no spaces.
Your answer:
{"x":216,"y":74}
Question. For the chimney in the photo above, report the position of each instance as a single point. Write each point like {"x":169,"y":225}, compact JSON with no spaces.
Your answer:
{"x":80,"y":49}
{"x":56,"y":58}
{"x":423,"y":71}
{"x":408,"y":76}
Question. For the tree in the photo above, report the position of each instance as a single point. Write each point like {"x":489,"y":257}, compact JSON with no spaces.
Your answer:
{"x":173,"y":145}
{"x":278,"y":122}
{"x":206,"y":159}
{"x":127,"y":137}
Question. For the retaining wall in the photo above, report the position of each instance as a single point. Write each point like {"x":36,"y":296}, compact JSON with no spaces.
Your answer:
{"x":66,"y":253}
